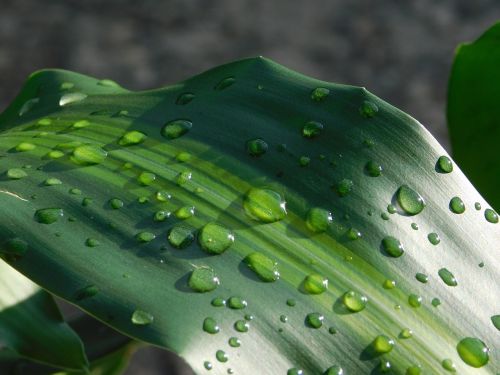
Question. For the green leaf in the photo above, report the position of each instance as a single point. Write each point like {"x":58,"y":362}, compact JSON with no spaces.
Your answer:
{"x":266,"y":154}
{"x":473,"y":115}
{"x":31,"y":325}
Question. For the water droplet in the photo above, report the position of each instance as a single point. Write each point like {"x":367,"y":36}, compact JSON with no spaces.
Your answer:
{"x":221,"y":356}
{"x":457,"y":206}
{"x":392,"y":246}
{"x":495,"y":319}
{"x":116,"y":203}
{"x":218,"y":302}
{"x":473,"y":351}
{"x":142,"y":318}
{"x":183,"y":177}
{"x":304,"y":161}
{"x":385,"y":365}
{"x":146,"y":178}
{"x":51,"y":181}
{"x":283,"y":318}
{"x":88,"y":155}
{"x":314,"y":320}
{"x":413,"y":370}
{"x":163,"y":196}
{"x":184,"y":98}
{"x":448,"y":365}
{"x":334,"y":370}
{"x":210,"y":326}
{"x":236,"y":303}
{"x":406,"y":333}
{"x":215,"y":238}
{"x":477,"y":206}
{"x":373,"y":169}
{"x":410,"y":201}
{"x":434,"y":238}
{"x":86,"y":292}
{"x":70,"y":98}
{"x":107,"y":83}
{"x":16,"y":173}
{"x":28,"y":105}
{"x":256,"y":147}
{"x":25,"y":146}
{"x":447,"y":277}
{"x":80,"y":124}
{"x":86,"y":202}
{"x":423,"y":278}
{"x":391,"y":209}
{"x":354,"y":301}
{"x":14,"y":246}
{"x":414,"y":226}
{"x":312,"y":129}
{"x":444,"y":164}
{"x":383,"y":344}
{"x":234,"y":342}
{"x":315,"y":284}
{"x":265,"y":268}
{"x":176,"y":128}
{"x":353,"y":234}
{"x":241,"y":326}
{"x":248,"y":317}
{"x":319,"y":94}
{"x":208,"y":365}
{"x":389,"y":284}
{"x":295,"y":371}
{"x":225,"y":83}
{"x":436,"y":302}
{"x":92,"y":242}
{"x":318,"y":219}
{"x":145,"y":237}
{"x":185,"y":212}
{"x":55,"y":154}
{"x":291,"y":302}
{"x":344,"y":187}
{"x":48,"y":215}
{"x":131,"y":138}
{"x":183,"y":157}
{"x":161,"y":215}
{"x":264,"y":205}
{"x":491,"y":216}
{"x":181,"y":236}
{"x":414,"y":300}
{"x":368,"y":109}
{"x":384,"y":216}
{"x":203,"y":279}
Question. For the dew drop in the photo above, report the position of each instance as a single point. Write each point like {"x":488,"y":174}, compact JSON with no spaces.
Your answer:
{"x":304,"y":161}
{"x":183,"y":178}
{"x":241,"y":326}
{"x":295,"y":371}
{"x":48,"y":215}
{"x":457,"y":206}
{"x":176,"y":128}
{"x":354,"y":301}
{"x":88,"y":155}
{"x":80,"y":124}
{"x":495,"y":319}
{"x":70,"y":98}
{"x":86,"y":201}
{"x":315,"y":284}
{"x":423,"y":278}
{"x":51,"y":181}
{"x":265,"y":268}
{"x":131,"y":138}
{"x":434,"y":238}
{"x":218,"y":302}
{"x":184,"y":98}
{"x":14,"y":246}
{"x":344,"y":187}
{"x":146,"y":178}
{"x":414,"y":300}
{"x":145,"y":237}
{"x":413,"y":370}
{"x":107,"y":83}
{"x":314,"y":320}
{"x":181,"y":236}
{"x":225,"y":83}
{"x":414,"y":226}
{"x":236,"y":303}
{"x":477,"y":206}
{"x":353,"y":234}
{"x":86,"y":292}
{"x":210,"y":326}
{"x":368,"y":109}
{"x":444,"y":164}
{"x":142,"y":318}
{"x":334,"y":370}
{"x":25,"y":146}
{"x":185,"y":212}
{"x":384,"y":216}
{"x":264,"y":205}
{"x":392,"y":246}
{"x":391,"y":209}
{"x":161,"y":215}
{"x":318,"y":219}
{"x":436,"y":302}
{"x":319,"y":94}
{"x":448,"y":365}
{"x":208,"y":365}
{"x":373,"y":169}
{"x":447,"y":277}
{"x":389,"y":284}
{"x":203,"y":279}
{"x":256,"y":147}
{"x":291,"y":302}
{"x":55,"y":154}
{"x":312,"y":129}
{"x":183,"y":157}
{"x":283,"y":318}
{"x":163,"y":196}
{"x":491,"y":216}
{"x":410,"y":201}
{"x":221,"y":356}
{"x":92,"y":242}
{"x":215,"y":238}
{"x":406,"y":333}
{"x":116,"y":203}
{"x":383,"y":344}
{"x":16,"y":174}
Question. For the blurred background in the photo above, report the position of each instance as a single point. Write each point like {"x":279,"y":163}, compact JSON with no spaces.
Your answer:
{"x":400,"y":50}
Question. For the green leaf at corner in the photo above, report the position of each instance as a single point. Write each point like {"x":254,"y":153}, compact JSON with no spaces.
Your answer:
{"x":31,"y":325}
{"x":474,"y":112}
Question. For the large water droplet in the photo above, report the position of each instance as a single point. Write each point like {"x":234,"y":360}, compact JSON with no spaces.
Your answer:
{"x":473,"y":351}
{"x":221,"y":356}
{"x":210,"y":326}
{"x":92,"y":242}
{"x":241,"y":326}
{"x":142,"y":318}
{"x":491,"y":216}
{"x":264,"y":205}
{"x":318,"y":219}
{"x":203,"y":279}
{"x":447,"y":277}
{"x":25,"y":146}
{"x":315,"y":284}
{"x":354,"y":301}
{"x":444,"y":164}
{"x":176,"y":128}
{"x":181,"y":236}
{"x":48,"y":215}
{"x":70,"y":98}
{"x":413,"y":370}
{"x":410,"y":201}
{"x":319,"y":94}
{"x":256,"y":147}
{"x":457,"y":206}
{"x":414,"y":300}
{"x":312,"y":129}
{"x":383,"y":344}
{"x":215,"y":238}
{"x":265,"y":268}
{"x":132,"y":137}
{"x":392,"y":246}
{"x":88,"y":155}
{"x":314,"y":320}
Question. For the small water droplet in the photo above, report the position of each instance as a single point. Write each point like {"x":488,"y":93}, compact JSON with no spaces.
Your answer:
{"x":146,"y":178}
{"x":373,"y":169}
{"x":183,"y":178}
{"x":225,"y":83}
{"x":353,"y":234}
{"x":55,"y":154}
{"x":116,"y":203}
{"x":473,"y":352}
{"x":92,"y":242}
{"x":392,"y":246}
{"x":414,"y":226}
{"x":491,"y":216}
{"x":312,"y":129}
{"x":70,"y":98}
{"x":52,"y":181}
{"x":14,"y":246}
{"x":208,"y":365}
{"x":444,"y":164}
{"x":436,"y":302}
{"x":314,"y":320}
{"x":16,"y":173}
{"x":315,"y":284}
{"x":304,"y":161}
{"x":447,"y":277}
{"x":183,"y":157}
{"x":384,"y":216}
{"x":448,"y":365}
{"x":142,"y":318}
{"x":25,"y":146}
{"x":176,"y":128}
{"x":210,"y":326}
{"x":86,"y":201}
{"x":383,"y":344}
{"x":218,"y":302}
{"x":145,"y":237}
{"x":234,"y":342}
{"x":203,"y":279}
{"x":413,"y":370}
{"x":161,"y":215}
{"x":457,"y":206}
{"x":265,"y":268}
{"x":256,"y":147}
{"x":184,"y":98}
{"x":344,"y":187}
{"x":283,"y":318}
{"x":389,"y":284}
{"x":88,"y":155}
{"x":48,"y":215}
{"x":107,"y":83}
{"x":215,"y":238}
{"x":410,"y":201}
{"x":221,"y":356}
{"x":319,"y":94}
{"x":334,"y":370}
{"x":368,"y":109}
{"x":414,"y":300}
{"x":185,"y":212}
{"x":291,"y":302}
{"x":295,"y":371}
{"x":264,"y":205}
{"x":241,"y":326}
{"x":86,"y":292}
{"x":385,"y":365}
{"x":354,"y":301}
{"x":477,"y":206}
{"x":131,"y":138}
{"x":236,"y":303}
{"x":80,"y":124}
{"x":423,"y":278}
{"x":163,"y":196}
{"x":406,"y":333}
{"x":181,"y":236}
{"x":434,"y":238}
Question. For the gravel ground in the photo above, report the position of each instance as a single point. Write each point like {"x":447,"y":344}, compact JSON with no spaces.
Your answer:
{"x":401,"y":51}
